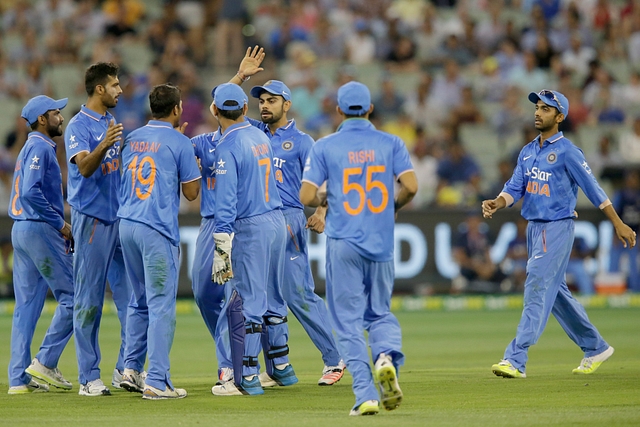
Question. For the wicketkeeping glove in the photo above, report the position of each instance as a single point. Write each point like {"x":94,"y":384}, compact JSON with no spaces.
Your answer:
{"x":221,"y":271}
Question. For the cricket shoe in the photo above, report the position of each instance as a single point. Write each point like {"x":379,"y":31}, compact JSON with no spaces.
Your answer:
{"x":281,"y":377}
{"x":248,"y":386}
{"x":116,"y":378}
{"x":152,"y":393}
{"x":387,"y":378}
{"x":94,"y":388}
{"x":507,"y":370}
{"x":32,"y":387}
{"x":332,"y":374}
{"x":51,"y":376}
{"x":224,"y":375}
{"x":370,"y":407}
{"x":133,"y":381}
{"x":590,"y":364}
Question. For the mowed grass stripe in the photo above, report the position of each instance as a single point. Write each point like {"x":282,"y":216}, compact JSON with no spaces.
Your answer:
{"x":447,"y":380}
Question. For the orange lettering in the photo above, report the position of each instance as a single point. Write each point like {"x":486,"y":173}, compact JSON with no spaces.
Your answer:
{"x":545,"y":190}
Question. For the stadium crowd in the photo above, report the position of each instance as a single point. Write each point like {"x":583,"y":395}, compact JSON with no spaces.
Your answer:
{"x":449,"y":77}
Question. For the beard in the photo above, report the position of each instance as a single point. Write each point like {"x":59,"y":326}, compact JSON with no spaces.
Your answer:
{"x":54,"y":131}
{"x":274,"y":118}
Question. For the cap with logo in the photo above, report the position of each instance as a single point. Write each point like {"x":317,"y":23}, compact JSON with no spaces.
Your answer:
{"x":228,"y":92}
{"x":39,"y":105}
{"x":354,"y":99}
{"x":274,"y":87}
{"x":553,"y":99}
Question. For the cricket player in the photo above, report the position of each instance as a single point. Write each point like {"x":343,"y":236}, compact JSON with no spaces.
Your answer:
{"x":548,"y":173}
{"x":360,"y":166}
{"x":158,"y":160}
{"x":247,"y":218}
{"x":42,"y":242}
{"x":92,"y":141}
{"x":290,"y":150}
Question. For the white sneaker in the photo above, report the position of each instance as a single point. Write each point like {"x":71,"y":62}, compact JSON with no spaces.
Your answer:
{"x":153,"y":393}
{"x":385,"y":374}
{"x":51,"y":376}
{"x":116,"y":378}
{"x":588,"y":365}
{"x":226,"y":389}
{"x":332,"y":374}
{"x":226,"y":374}
{"x":133,"y":381}
{"x":32,"y":387}
{"x":266,"y":380}
{"x":94,"y":388}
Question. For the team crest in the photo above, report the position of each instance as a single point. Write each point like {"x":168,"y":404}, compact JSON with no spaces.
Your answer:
{"x":287,"y":145}
{"x":552,"y":158}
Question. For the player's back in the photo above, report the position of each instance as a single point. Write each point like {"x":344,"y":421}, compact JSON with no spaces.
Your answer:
{"x":361,"y":164}
{"x":244,"y":161}
{"x":156,"y":160}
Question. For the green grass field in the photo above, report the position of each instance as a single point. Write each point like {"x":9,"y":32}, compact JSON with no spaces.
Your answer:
{"x":446,"y":381}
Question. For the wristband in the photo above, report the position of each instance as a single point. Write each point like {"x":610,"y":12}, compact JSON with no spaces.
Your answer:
{"x":241,"y":78}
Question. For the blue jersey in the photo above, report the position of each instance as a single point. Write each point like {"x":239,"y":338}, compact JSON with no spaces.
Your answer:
{"x":36,"y":192}
{"x":205,"y":149}
{"x":548,"y":178}
{"x":97,"y":195}
{"x":156,"y":159}
{"x":360,"y":165}
{"x":290,"y":151}
{"x":245,"y":184}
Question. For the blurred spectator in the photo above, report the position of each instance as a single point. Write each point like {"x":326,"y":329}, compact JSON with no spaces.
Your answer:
{"x":578,"y":56}
{"x":389,"y":102}
{"x":577,"y":270}
{"x":490,"y":31}
{"x":630,"y":143}
{"x":425,"y":165}
{"x":626,"y":202}
{"x":133,"y":104}
{"x":402,"y":56}
{"x":471,"y":249}
{"x":446,"y":92}
{"x":193,"y":105}
{"x":454,"y":49}
{"x":515,"y":261}
{"x":427,"y":40}
{"x":593,"y":92}
{"x":528,"y":77}
{"x":509,"y":58}
{"x":511,"y":117}
{"x":410,"y":12}
{"x":631,"y":90}
{"x":34,"y":82}
{"x":544,"y":52}
{"x":458,"y":177}
{"x":529,"y":133}
{"x":468,"y":111}
{"x":228,"y":40}
{"x":601,"y":15}
{"x":423,"y":112}
{"x":122,"y":16}
{"x":606,"y":156}
{"x":606,"y":110}
{"x":361,"y":46}
{"x":324,"y":121}
{"x":326,"y":42}
{"x":549,"y":8}
{"x":505,"y":170}
{"x":306,"y":99}
{"x":489,"y":84}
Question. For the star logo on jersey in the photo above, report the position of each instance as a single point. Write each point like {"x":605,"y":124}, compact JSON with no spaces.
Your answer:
{"x":586,"y":167}
{"x":221,"y":163}
{"x":35,"y":159}
{"x":72,"y":138}
{"x":212,"y":168}
{"x":287,"y":145}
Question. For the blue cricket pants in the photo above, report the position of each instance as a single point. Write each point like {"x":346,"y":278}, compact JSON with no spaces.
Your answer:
{"x":151,"y":263}
{"x":257,"y":257}
{"x":39,"y":263}
{"x":545,"y":292}
{"x":95,"y":259}
{"x":359,"y":299}
{"x":298,"y":289}
{"x":209,"y":296}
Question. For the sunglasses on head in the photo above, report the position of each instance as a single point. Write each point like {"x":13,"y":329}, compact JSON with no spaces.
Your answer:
{"x":549,"y":93}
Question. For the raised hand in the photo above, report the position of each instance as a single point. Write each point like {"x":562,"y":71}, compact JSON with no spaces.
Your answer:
{"x":114,"y":133}
{"x":250,"y":64}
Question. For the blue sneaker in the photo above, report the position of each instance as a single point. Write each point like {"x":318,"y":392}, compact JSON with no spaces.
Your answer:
{"x":247,"y":387}
{"x":281,"y":377}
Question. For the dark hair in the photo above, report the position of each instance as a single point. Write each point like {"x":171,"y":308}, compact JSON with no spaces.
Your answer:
{"x":162,"y":99}
{"x":98,"y":74}
{"x":231,"y":114}
{"x":34,"y":125}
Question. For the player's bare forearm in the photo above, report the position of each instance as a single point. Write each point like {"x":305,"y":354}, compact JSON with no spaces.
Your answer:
{"x":310,"y":196}
{"x":626,"y":235}
{"x":316,"y":222}
{"x":89,"y":163}
{"x":408,"y":189}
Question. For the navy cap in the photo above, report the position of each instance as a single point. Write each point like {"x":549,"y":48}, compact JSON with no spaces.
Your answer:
{"x":228,"y":92}
{"x":39,"y":105}
{"x":354,"y":99}
{"x":274,"y":87}
{"x":553,"y":99}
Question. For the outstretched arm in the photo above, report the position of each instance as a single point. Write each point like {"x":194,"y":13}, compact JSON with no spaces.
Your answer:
{"x":626,"y":235}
